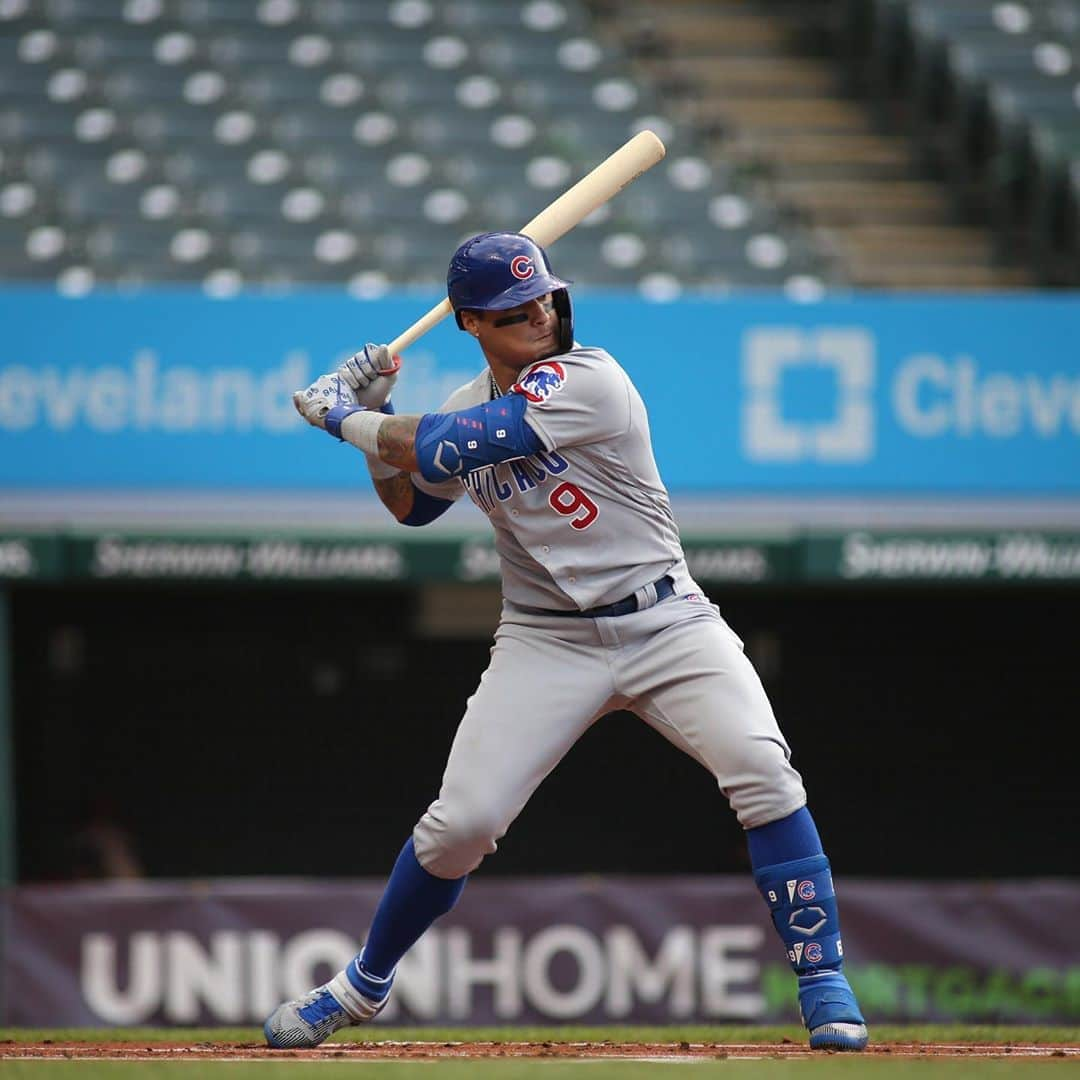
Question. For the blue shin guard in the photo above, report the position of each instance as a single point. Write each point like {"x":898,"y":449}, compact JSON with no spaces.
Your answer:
{"x":803,"y":907}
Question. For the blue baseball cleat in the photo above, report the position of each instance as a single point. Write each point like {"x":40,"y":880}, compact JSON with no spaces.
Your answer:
{"x":831,"y":1013}
{"x":350,"y":997}
{"x":307,"y":1021}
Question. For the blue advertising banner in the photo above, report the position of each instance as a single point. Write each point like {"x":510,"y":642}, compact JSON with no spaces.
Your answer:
{"x":177,"y":391}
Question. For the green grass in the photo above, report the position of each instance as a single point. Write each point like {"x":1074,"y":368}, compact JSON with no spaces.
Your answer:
{"x":713,"y":1033}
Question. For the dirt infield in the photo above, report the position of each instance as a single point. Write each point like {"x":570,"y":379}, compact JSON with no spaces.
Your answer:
{"x":389,"y":1051}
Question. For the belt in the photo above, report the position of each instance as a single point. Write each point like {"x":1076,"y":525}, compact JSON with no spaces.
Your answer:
{"x":643,"y":598}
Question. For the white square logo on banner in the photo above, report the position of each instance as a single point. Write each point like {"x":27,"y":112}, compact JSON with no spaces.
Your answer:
{"x":769,"y":354}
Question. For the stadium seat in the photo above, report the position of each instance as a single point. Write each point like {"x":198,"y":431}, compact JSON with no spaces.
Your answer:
{"x":1055,"y":153}
{"x":982,"y":87}
{"x":236,"y":200}
{"x":1013,"y":109}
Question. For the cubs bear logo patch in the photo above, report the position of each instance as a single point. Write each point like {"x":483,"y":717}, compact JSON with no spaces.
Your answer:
{"x":541,"y":381}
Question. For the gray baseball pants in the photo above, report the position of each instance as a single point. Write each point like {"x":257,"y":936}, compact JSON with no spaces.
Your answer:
{"x":677,"y":665}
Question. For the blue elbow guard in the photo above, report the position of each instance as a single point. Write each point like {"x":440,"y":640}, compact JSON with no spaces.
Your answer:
{"x":425,"y":508}
{"x":454,"y":444}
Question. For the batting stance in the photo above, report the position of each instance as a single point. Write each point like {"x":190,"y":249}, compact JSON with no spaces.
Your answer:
{"x":551,"y":441}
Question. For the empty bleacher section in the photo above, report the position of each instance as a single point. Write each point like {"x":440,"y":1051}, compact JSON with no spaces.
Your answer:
{"x":813,"y":144}
{"x":770,"y":86}
{"x":991,"y":93}
{"x":274,"y":142}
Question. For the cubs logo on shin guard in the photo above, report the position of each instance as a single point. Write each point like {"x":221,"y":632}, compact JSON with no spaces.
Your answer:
{"x":802,"y":904}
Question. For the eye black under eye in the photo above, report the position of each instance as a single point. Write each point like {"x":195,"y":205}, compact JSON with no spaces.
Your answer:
{"x":512,"y":320}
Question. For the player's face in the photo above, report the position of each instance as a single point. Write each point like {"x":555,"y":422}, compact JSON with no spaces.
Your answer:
{"x":519,"y":335}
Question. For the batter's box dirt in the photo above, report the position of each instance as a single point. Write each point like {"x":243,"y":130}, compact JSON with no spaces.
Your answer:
{"x":388,"y":1051}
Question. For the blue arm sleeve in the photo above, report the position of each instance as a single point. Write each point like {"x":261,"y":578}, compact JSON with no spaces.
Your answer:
{"x":425,"y":508}
{"x":456,"y":443}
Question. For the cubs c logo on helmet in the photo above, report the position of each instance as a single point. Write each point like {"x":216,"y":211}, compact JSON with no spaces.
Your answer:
{"x":540,"y":381}
{"x":521,"y":266}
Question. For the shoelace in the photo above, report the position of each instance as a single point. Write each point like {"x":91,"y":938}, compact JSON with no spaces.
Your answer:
{"x":324,"y":1002}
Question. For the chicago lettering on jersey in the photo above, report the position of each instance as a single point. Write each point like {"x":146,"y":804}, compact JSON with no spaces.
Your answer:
{"x":497,"y":483}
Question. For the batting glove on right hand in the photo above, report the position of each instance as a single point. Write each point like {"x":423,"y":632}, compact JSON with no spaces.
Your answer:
{"x":371,"y":373}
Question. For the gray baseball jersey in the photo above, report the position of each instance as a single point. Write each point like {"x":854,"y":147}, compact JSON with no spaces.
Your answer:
{"x":587,"y":521}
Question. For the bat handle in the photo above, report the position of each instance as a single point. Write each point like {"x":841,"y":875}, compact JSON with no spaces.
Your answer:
{"x":420,"y":327}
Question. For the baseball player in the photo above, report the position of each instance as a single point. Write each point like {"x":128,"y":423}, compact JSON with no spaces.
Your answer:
{"x":551,"y":441}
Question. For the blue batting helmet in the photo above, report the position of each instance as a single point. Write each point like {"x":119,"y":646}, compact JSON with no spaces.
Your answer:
{"x":499,"y":270}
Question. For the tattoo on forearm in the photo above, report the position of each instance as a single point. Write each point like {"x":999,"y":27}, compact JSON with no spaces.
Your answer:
{"x":397,"y":439}
{"x":396,"y":493}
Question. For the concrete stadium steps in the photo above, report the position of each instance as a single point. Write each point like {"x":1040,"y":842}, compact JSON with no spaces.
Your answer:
{"x":824,"y":155}
{"x":706,"y":29}
{"x":952,"y":245}
{"x":737,"y":75}
{"x":854,"y":202}
{"x":779,"y":113}
{"x":748,"y":75}
{"x":930,"y":277}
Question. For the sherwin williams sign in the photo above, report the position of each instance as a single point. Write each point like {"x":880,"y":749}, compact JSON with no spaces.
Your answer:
{"x":875,"y":396}
{"x":1019,"y":557}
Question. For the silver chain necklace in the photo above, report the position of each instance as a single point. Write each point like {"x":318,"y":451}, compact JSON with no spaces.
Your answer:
{"x":495,"y":391}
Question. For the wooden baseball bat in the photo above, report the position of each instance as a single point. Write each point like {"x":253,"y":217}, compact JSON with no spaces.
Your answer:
{"x":627,"y":163}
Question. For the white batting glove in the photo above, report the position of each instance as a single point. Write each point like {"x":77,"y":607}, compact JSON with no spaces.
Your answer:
{"x":321,"y":396}
{"x":371,"y":373}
